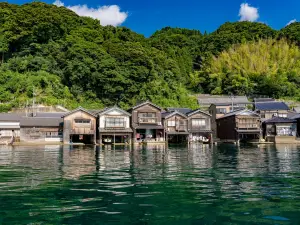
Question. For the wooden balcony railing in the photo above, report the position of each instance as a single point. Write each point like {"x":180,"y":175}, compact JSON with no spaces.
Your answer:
{"x":149,"y":120}
{"x":82,"y":131}
{"x":247,"y":126}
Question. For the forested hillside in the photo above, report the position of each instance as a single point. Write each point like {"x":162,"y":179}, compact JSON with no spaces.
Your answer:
{"x":66,"y":59}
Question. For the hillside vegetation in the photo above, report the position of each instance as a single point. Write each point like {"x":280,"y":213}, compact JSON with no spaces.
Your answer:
{"x":66,"y":59}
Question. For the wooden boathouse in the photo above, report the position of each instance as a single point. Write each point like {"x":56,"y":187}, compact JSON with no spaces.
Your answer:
{"x":79,"y":126}
{"x":239,"y":125}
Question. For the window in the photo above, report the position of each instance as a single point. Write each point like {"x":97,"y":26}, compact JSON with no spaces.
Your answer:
{"x":114,"y":122}
{"x":147,"y":115}
{"x":171,"y":123}
{"x":282,"y":115}
{"x":147,"y":118}
{"x":221,"y":110}
{"x":198,"y":122}
{"x":82,"y":121}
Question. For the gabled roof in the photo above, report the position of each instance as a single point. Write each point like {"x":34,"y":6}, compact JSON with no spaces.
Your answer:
{"x":280,"y":120}
{"x":238,"y":112}
{"x":166,"y":115}
{"x":146,"y":102}
{"x":271,"y":106}
{"x":114,"y":108}
{"x":79,"y":109}
{"x":181,"y":110}
{"x":196,"y":111}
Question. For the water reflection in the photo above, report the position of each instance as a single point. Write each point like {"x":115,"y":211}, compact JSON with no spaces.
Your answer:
{"x":151,"y":184}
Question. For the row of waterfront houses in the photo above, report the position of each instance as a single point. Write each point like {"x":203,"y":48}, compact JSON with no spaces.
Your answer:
{"x":224,"y":119}
{"x":143,"y":123}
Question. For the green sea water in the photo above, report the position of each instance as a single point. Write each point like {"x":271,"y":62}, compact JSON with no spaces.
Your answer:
{"x":224,"y":184}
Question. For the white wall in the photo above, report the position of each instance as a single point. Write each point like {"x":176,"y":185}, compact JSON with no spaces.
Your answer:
{"x":116,"y":113}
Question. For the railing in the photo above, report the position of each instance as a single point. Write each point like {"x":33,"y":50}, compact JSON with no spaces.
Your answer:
{"x":247,"y":126}
{"x":149,"y":120}
{"x":200,"y":127}
{"x":82,"y":131}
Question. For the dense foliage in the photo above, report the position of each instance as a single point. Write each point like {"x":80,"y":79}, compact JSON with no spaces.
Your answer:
{"x":62,"y":58}
{"x":267,"y":67}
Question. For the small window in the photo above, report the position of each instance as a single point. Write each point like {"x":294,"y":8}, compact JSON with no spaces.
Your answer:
{"x":82,"y":121}
{"x":171,"y":123}
{"x":221,"y":111}
{"x":114,"y":122}
{"x":198,"y":122}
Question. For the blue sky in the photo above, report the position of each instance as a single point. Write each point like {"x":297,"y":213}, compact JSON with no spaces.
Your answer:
{"x":145,"y":16}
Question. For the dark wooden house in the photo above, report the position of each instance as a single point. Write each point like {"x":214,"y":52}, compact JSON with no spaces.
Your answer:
{"x":199,"y":126}
{"x":176,"y":126}
{"x":79,"y":126}
{"x":146,"y":122}
{"x":239,"y":125}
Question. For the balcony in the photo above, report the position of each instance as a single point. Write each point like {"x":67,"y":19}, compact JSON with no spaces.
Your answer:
{"x":247,"y":126}
{"x":149,"y":120}
{"x":82,"y":131}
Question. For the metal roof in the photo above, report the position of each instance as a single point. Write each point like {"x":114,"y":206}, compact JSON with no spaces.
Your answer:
{"x":11,"y":116}
{"x":271,"y":106}
{"x":238,"y":112}
{"x":280,"y":120}
{"x":206,"y":99}
{"x":40,"y":122}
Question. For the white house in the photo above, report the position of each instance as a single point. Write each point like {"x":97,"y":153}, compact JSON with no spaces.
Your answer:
{"x":114,"y":126}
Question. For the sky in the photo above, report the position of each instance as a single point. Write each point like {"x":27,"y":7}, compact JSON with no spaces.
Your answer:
{"x":147,"y":16}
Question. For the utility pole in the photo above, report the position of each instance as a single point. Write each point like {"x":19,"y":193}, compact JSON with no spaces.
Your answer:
{"x":232,"y":96}
{"x":33,"y":102}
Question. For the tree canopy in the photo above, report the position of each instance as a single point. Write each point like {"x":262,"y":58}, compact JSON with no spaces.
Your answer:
{"x":73,"y":60}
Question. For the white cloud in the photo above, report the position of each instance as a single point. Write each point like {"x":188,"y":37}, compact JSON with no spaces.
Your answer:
{"x":248,"y":13}
{"x":292,"y":21}
{"x":108,"y":15}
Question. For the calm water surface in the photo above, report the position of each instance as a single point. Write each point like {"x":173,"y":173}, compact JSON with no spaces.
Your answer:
{"x":196,"y":185}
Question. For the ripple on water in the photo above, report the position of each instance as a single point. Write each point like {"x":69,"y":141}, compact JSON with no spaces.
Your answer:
{"x":220,"y":185}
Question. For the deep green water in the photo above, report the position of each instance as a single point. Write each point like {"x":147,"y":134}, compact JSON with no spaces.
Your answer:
{"x":199,"y":185}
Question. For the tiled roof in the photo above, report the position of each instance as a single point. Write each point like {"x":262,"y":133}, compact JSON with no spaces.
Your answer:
{"x":197,"y":110}
{"x":113,"y":108}
{"x":167,"y":114}
{"x":280,"y":120}
{"x":144,"y":103}
{"x":216,"y":99}
{"x":271,"y":106}
{"x":264,"y":100}
{"x":181,"y":110}
{"x":79,"y":109}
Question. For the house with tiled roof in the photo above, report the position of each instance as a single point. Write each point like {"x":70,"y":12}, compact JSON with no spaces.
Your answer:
{"x":268,"y":110}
